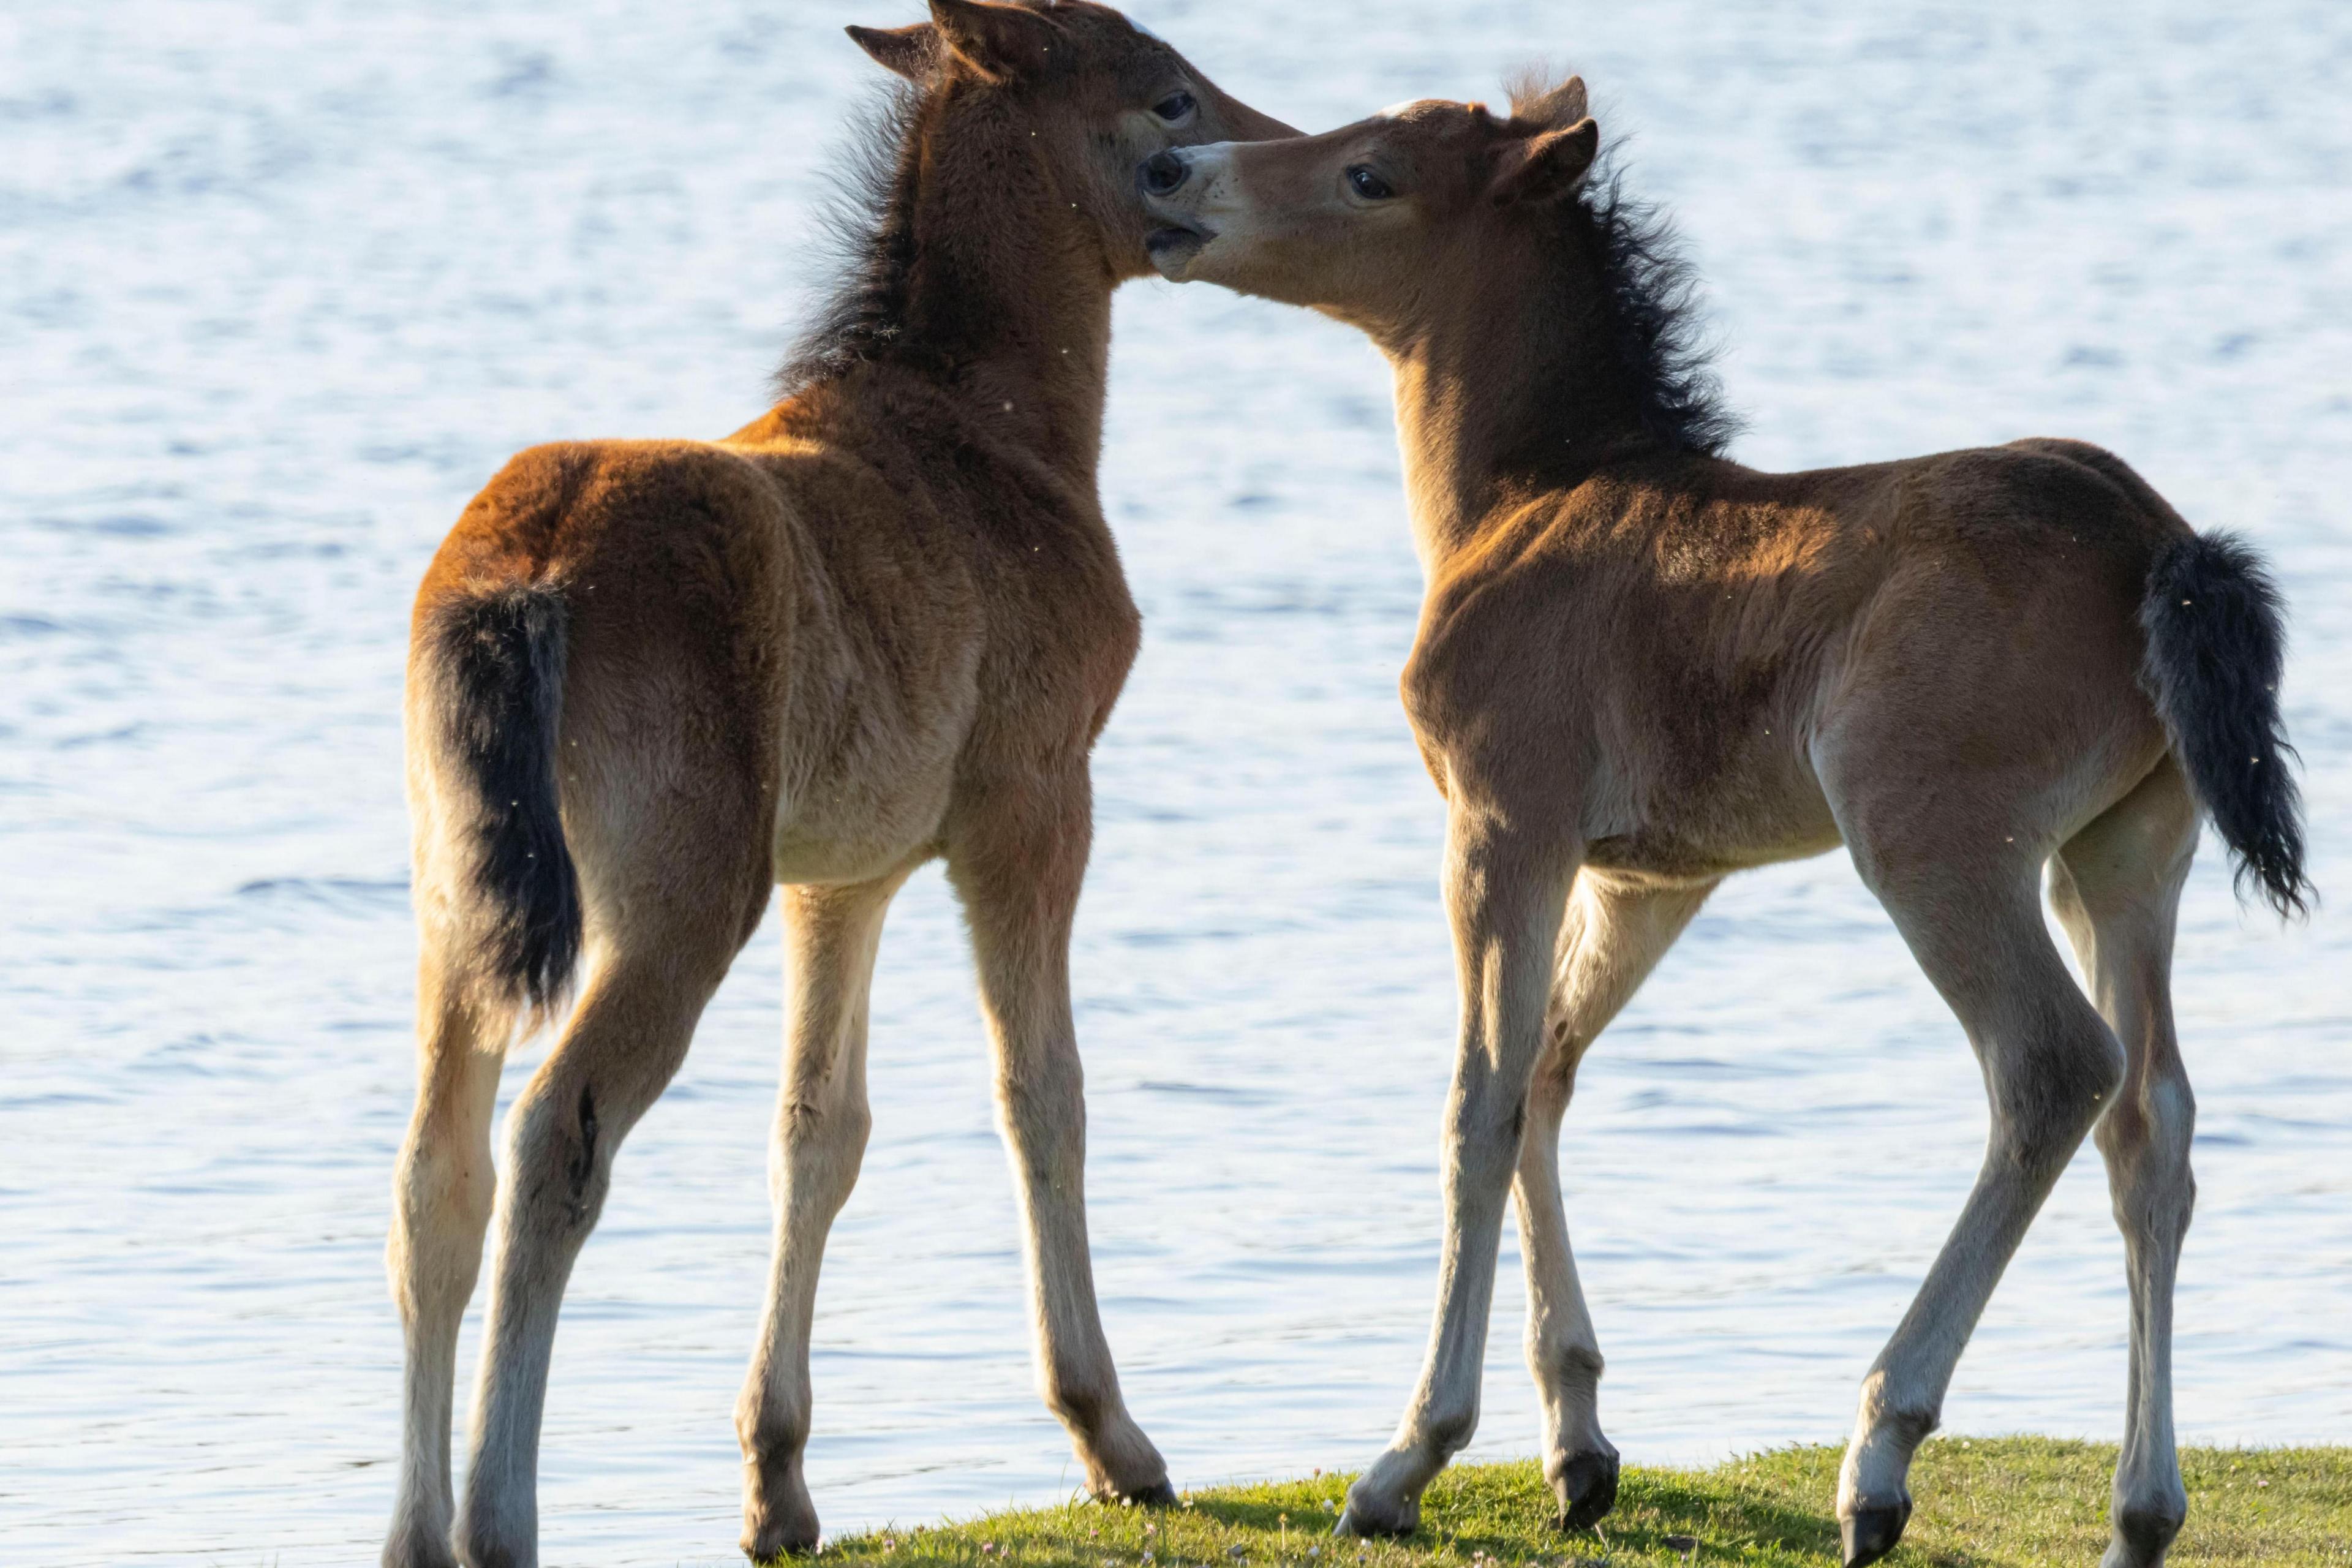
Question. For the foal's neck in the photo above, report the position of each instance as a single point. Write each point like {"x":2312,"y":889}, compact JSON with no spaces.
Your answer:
{"x":1008,"y":299}
{"x":1505,"y":392}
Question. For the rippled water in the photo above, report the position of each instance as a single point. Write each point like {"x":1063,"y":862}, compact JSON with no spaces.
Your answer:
{"x":280,"y":284}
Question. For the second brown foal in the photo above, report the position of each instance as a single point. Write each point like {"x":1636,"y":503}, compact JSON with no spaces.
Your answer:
{"x":1642,"y":668}
{"x":648,"y":680}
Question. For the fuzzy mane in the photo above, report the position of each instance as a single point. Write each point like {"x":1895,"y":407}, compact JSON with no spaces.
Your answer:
{"x":1650,"y":297}
{"x":1649,"y":291}
{"x":869,"y":223}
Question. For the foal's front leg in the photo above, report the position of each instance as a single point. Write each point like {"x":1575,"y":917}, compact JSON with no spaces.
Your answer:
{"x":1017,"y":861}
{"x":831,"y":935}
{"x":1505,"y":888}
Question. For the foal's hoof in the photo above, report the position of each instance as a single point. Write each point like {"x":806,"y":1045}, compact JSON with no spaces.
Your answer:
{"x":1587,"y":1490}
{"x":789,"y":1533}
{"x":414,"y":1546}
{"x":781,"y":1549}
{"x":2143,"y":1535}
{"x":1159,"y":1494}
{"x":1373,"y":1518}
{"x":1353,"y":1521}
{"x":1872,"y":1533}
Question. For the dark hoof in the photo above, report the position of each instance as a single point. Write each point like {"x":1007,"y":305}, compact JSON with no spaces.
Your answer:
{"x":1159,"y":1494}
{"x":1587,"y":1490}
{"x":2143,"y":1535}
{"x":1355,"y":1524}
{"x":412,"y":1547}
{"x":1873,"y":1532}
{"x":782,"y":1539}
{"x":1376,"y":1518}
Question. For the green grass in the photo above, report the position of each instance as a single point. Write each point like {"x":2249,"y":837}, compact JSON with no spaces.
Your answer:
{"x":1989,"y":1501}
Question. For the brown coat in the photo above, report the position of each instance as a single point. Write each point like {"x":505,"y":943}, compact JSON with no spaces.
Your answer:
{"x":883,"y":623}
{"x":1642,"y":667}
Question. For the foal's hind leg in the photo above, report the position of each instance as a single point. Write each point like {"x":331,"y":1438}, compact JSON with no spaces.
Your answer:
{"x":1612,"y":939}
{"x":442,"y":1192}
{"x":1971,"y":915}
{"x":627,"y":1039}
{"x":830,"y":938}
{"x":1017,"y":860}
{"x":2117,"y":885}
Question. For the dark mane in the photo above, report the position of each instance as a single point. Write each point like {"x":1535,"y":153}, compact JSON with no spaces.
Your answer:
{"x":1650,"y":299}
{"x":869,"y":221}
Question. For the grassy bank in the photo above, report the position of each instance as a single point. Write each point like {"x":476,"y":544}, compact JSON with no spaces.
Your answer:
{"x":1989,"y":1501}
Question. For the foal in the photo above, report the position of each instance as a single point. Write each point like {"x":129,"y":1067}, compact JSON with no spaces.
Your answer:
{"x":650,"y":680}
{"x":1641,"y":667}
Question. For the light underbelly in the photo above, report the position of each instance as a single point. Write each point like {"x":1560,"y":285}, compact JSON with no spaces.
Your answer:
{"x":1666,"y":856}
{"x":849,"y":830}
{"x":1768,"y":816}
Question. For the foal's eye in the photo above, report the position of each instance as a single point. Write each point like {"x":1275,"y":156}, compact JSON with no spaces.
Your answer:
{"x":1174,"y":107}
{"x":1368,"y":185}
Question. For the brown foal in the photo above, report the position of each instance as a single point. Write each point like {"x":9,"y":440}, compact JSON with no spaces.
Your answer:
{"x":1642,"y":668}
{"x":649,"y":680}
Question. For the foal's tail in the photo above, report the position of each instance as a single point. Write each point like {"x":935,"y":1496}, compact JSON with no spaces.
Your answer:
{"x":2216,"y":642}
{"x":495,"y":666}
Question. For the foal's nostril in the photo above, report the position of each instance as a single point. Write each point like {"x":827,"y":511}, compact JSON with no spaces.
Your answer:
{"x":1162,"y":172}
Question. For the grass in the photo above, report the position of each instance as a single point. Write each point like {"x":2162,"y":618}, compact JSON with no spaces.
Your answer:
{"x":1980,"y":1501}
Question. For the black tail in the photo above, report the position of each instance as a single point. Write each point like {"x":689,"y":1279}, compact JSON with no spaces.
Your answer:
{"x":501,"y":659}
{"x":2216,"y":643}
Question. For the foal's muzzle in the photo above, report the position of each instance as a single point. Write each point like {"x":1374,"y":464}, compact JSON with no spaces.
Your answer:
{"x":1162,"y":172}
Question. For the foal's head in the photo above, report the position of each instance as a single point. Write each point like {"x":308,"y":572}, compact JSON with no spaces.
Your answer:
{"x":1444,"y":226}
{"x":1076,"y":93}
{"x":1381,"y":223}
{"x":1002,"y":183}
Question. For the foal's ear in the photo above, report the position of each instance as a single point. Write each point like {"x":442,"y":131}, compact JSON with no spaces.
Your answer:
{"x":996,"y":40}
{"x":1544,"y":167}
{"x":911,"y":52}
{"x":1562,"y":105}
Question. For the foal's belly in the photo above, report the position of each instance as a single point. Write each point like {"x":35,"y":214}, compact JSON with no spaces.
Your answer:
{"x":1668,"y":858}
{"x":847,"y":830}
{"x":1709,"y":834}
{"x":870,"y":804}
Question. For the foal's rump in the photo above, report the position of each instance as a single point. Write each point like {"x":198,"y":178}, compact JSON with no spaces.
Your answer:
{"x":2215,"y":630}
{"x":591,"y":691}
{"x":2048,"y":628}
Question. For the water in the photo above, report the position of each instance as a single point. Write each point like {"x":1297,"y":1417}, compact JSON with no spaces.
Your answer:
{"x":280,"y":284}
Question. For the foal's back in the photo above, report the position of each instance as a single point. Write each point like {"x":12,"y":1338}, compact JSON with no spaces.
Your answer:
{"x":1701,"y":638}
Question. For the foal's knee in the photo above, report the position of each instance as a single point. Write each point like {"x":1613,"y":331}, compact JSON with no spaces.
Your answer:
{"x":442,"y":1201}
{"x":1044,"y":1104}
{"x":819,"y":1150}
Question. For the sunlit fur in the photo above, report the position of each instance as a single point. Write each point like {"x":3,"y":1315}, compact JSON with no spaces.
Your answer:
{"x":1642,"y":668}
{"x":649,"y":680}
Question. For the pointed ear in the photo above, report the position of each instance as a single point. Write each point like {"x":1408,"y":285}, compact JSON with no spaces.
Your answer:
{"x":1544,"y":167}
{"x":1556,"y":106}
{"x":911,"y":52}
{"x":996,"y":40}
